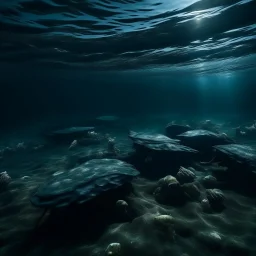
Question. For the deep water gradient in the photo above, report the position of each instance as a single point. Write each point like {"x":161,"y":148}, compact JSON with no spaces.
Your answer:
{"x":202,"y":36}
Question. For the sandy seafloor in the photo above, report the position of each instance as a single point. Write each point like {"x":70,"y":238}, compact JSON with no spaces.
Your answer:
{"x":194,"y":232}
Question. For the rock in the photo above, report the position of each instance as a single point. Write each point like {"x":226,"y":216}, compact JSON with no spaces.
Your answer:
{"x":164,"y":220}
{"x":166,"y":223}
{"x":83,"y":183}
{"x":169,"y":191}
{"x":216,"y":198}
{"x":191,"y":191}
{"x":232,"y":155}
{"x":203,"y":139}
{"x":168,"y":181}
{"x":209,"y":181}
{"x":149,"y":138}
{"x":113,"y":249}
{"x":185,"y":175}
{"x":112,"y":145}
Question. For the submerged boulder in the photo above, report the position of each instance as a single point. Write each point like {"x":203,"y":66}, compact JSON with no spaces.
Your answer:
{"x":83,"y":183}
{"x":172,"y":130}
{"x":146,"y":138}
{"x":203,"y":139}
{"x":159,"y":155}
{"x":236,"y":154}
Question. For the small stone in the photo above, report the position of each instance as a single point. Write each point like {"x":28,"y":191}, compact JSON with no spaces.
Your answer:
{"x":169,"y":190}
{"x":113,"y":249}
{"x":185,"y":175}
{"x":164,"y":220}
{"x":216,"y":197}
{"x":168,"y":180}
{"x":191,"y":191}
{"x":165,"y":223}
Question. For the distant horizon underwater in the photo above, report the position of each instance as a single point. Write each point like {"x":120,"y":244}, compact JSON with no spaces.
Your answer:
{"x":128,"y":127}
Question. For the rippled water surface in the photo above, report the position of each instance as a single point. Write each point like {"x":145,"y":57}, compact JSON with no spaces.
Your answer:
{"x":205,"y":36}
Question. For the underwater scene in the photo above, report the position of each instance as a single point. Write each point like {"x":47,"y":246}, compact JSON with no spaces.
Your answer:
{"x":128,"y":127}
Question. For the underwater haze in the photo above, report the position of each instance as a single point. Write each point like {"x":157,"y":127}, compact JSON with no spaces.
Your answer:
{"x":128,"y":127}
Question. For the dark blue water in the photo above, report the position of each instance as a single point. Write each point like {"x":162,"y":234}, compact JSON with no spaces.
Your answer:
{"x":192,"y":36}
{"x":64,"y":63}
